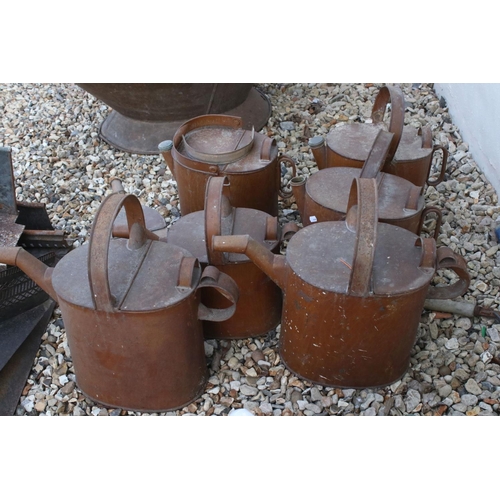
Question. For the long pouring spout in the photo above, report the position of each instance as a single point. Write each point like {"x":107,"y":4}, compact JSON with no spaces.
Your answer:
{"x":273,"y":265}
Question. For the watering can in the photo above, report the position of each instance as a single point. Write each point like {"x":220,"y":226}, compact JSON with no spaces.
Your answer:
{"x":132,"y":312}
{"x":410,"y":154}
{"x":353,"y":293}
{"x":325,"y":194}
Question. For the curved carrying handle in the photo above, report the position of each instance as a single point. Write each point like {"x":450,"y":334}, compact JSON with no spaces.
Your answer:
{"x":286,"y":160}
{"x":218,"y":217}
{"x":394,"y":95}
{"x":444,"y":163}
{"x":364,"y":195}
{"x":377,"y":156}
{"x":447,"y":259}
{"x":102,"y":228}
{"x":225,"y":285}
{"x":439,"y":218}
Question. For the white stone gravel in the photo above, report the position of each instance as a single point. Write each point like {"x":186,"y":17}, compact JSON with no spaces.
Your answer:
{"x":60,"y":160}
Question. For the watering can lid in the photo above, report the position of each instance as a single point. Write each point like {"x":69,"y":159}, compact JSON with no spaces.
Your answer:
{"x":220,"y":140}
{"x":355,"y":141}
{"x":189,"y":233}
{"x":398,"y":198}
{"x":322,"y":254}
{"x":146,"y":279}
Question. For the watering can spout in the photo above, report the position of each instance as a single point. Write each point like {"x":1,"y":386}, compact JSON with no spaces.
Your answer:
{"x":165,"y":149}
{"x":299,"y":191}
{"x":273,"y":265}
{"x":318,"y":148}
{"x":35,"y":269}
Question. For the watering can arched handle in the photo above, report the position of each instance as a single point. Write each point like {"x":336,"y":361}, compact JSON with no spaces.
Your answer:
{"x":448,"y":259}
{"x":218,"y":217}
{"x":363,"y":205}
{"x":394,"y":95}
{"x":102,"y":229}
{"x":377,"y":156}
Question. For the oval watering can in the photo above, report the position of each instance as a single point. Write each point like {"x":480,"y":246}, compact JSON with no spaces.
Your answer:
{"x":259,"y":305}
{"x":353,"y":293}
{"x":325,"y":194}
{"x":217,"y":145}
{"x":132,"y":312}
{"x":410,"y":154}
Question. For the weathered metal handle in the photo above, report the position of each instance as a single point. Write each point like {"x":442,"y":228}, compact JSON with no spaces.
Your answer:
{"x":286,"y":160}
{"x":218,"y":217}
{"x":447,"y":259}
{"x":102,"y":229}
{"x":439,"y":218}
{"x":428,"y":257}
{"x":444,"y":163}
{"x":364,"y":195}
{"x":288,"y":230}
{"x":226,"y":286}
{"x":394,"y":95}
{"x":378,"y":153}
{"x":225,"y":157}
{"x":426,"y":134}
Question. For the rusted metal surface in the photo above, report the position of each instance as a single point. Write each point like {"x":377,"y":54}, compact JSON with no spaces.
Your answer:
{"x":353,"y":293}
{"x":325,"y":194}
{"x":19,"y":342}
{"x":132,"y":312}
{"x":144,"y":114}
{"x":259,"y":305}
{"x":249,"y":160}
{"x":410,"y":155}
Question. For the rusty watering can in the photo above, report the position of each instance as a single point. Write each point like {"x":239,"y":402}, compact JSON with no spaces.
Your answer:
{"x":410,"y":154}
{"x":132,"y":312}
{"x":353,"y":293}
{"x":325,"y":195}
{"x":217,"y":145}
{"x":259,"y":305}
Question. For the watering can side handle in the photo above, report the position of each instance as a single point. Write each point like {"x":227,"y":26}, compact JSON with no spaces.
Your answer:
{"x":363,"y":194}
{"x":102,"y":229}
{"x":395,"y":96}
{"x":290,"y":162}
{"x":439,"y":219}
{"x":444,"y":163}
{"x":226,"y":286}
{"x":447,"y":259}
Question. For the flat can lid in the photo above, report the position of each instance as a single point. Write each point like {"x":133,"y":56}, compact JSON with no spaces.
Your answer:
{"x":330,"y":188}
{"x":237,"y":150}
{"x":189,"y":232}
{"x":322,"y":255}
{"x":146,"y":279}
{"x":355,"y":141}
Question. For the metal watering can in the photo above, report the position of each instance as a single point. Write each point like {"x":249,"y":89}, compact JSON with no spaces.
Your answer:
{"x":325,"y":194}
{"x":217,"y":145}
{"x":410,"y":154}
{"x":132,"y":312}
{"x":259,"y":305}
{"x":353,"y":293}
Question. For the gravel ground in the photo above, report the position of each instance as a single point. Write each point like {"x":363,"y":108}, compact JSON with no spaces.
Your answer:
{"x":60,"y":160}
